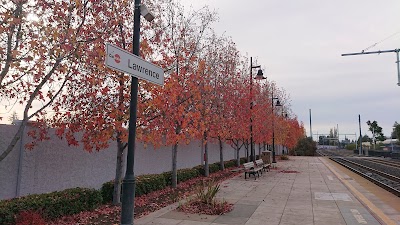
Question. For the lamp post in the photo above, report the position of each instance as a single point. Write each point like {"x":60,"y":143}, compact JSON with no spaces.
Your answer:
{"x":273,"y":124}
{"x":284,"y":117}
{"x":258,"y":77}
{"x":128,"y":184}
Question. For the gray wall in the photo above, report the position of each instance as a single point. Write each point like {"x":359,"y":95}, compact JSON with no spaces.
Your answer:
{"x":53,"y":165}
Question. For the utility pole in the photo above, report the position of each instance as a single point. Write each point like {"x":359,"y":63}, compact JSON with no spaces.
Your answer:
{"x":379,"y":52}
{"x":337,"y":134}
{"x":359,"y":125}
{"x":355,"y":135}
{"x":311,"y":135}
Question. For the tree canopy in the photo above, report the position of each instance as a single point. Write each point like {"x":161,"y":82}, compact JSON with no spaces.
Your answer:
{"x":52,"y":64}
{"x":376,"y":130}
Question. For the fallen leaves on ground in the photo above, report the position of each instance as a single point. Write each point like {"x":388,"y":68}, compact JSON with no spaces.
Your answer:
{"x":198,"y":207}
{"x":145,"y":204}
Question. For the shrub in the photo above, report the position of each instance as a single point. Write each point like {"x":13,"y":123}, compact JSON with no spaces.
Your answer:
{"x":152,"y":182}
{"x":183,"y":175}
{"x":168,"y":178}
{"x":213,"y":167}
{"x":200,"y":169}
{"x":243,"y":160}
{"x":306,"y":147}
{"x":51,"y":205}
{"x":107,"y":190}
{"x":148,"y":183}
{"x":351,"y":146}
{"x":207,"y":191}
{"x":230,"y":163}
{"x":187,"y":174}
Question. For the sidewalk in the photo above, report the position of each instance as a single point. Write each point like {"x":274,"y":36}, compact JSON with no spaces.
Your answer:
{"x":302,"y":190}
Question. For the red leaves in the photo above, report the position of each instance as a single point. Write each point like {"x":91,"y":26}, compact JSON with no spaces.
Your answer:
{"x":29,"y":218}
{"x":196,"y":207}
{"x":29,"y":146}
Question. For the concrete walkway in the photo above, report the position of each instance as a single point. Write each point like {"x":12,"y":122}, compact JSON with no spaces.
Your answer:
{"x":302,"y":190}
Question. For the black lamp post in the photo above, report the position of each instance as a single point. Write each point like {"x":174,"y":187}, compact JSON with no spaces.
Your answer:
{"x":273,"y":124}
{"x":258,"y":77}
{"x":284,"y":116}
{"x":128,"y":183}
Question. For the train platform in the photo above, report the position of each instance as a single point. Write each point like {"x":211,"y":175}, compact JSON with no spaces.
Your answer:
{"x":302,"y":190}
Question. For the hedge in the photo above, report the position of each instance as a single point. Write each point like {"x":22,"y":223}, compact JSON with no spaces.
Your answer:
{"x":51,"y":205}
{"x":145,"y":184}
{"x":71,"y":201}
{"x":107,"y":190}
{"x":230,"y":163}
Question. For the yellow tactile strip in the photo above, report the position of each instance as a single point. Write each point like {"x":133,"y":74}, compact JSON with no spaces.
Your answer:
{"x":378,"y":213}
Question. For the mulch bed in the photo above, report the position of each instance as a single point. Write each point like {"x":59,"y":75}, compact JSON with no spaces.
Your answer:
{"x":197,"y":207}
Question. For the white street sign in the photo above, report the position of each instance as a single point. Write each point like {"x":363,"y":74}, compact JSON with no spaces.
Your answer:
{"x":126,"y":62}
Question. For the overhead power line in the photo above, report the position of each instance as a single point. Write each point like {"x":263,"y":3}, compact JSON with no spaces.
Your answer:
{"x":377,"y":43}
{"x":379,"y":52}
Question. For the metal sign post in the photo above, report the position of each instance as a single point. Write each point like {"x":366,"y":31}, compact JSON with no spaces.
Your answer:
{"x":121,"y":60}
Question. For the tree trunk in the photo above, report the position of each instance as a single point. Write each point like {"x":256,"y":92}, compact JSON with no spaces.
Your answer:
{"x":247,"y":152}
{"x":221,"y":154}
{"x":238,"y":156}
{"x":120,"y":145}
{"x":118,"y":171}
{"x":206,"y":167}
{"x":15,"y":139}
{"x":174,"y":170}
{"x":202,"y":153}
{"x":28,"y":105}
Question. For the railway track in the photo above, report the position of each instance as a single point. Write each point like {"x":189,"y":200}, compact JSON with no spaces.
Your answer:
{"x":338,"y":152}
{"x":394,"y":164}
{"x":384,"y":180}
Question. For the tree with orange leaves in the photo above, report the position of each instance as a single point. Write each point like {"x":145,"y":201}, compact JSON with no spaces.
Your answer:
{"x":43,"y":46}
{"x":174,"y":105}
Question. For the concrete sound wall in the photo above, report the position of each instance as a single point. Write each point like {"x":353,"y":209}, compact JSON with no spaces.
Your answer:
{"x":53,"y":165}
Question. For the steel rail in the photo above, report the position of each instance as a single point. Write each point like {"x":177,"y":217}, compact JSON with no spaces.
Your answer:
{"x":385,"y":162}
{"x":385,"y":185}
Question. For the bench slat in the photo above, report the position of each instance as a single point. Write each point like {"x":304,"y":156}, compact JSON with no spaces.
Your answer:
{"x":250,"y":168}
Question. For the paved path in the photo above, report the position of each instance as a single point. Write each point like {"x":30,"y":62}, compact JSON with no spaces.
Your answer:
{"x":302,"y":190}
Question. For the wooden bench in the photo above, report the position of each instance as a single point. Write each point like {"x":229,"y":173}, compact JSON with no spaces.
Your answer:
{"x":264,"y":166}
{"x":249,"y":168}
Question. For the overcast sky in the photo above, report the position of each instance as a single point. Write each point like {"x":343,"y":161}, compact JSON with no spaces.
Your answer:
{"x":300,"y":42}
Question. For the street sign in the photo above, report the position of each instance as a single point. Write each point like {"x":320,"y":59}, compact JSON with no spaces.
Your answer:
{"x":126,"y":62}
